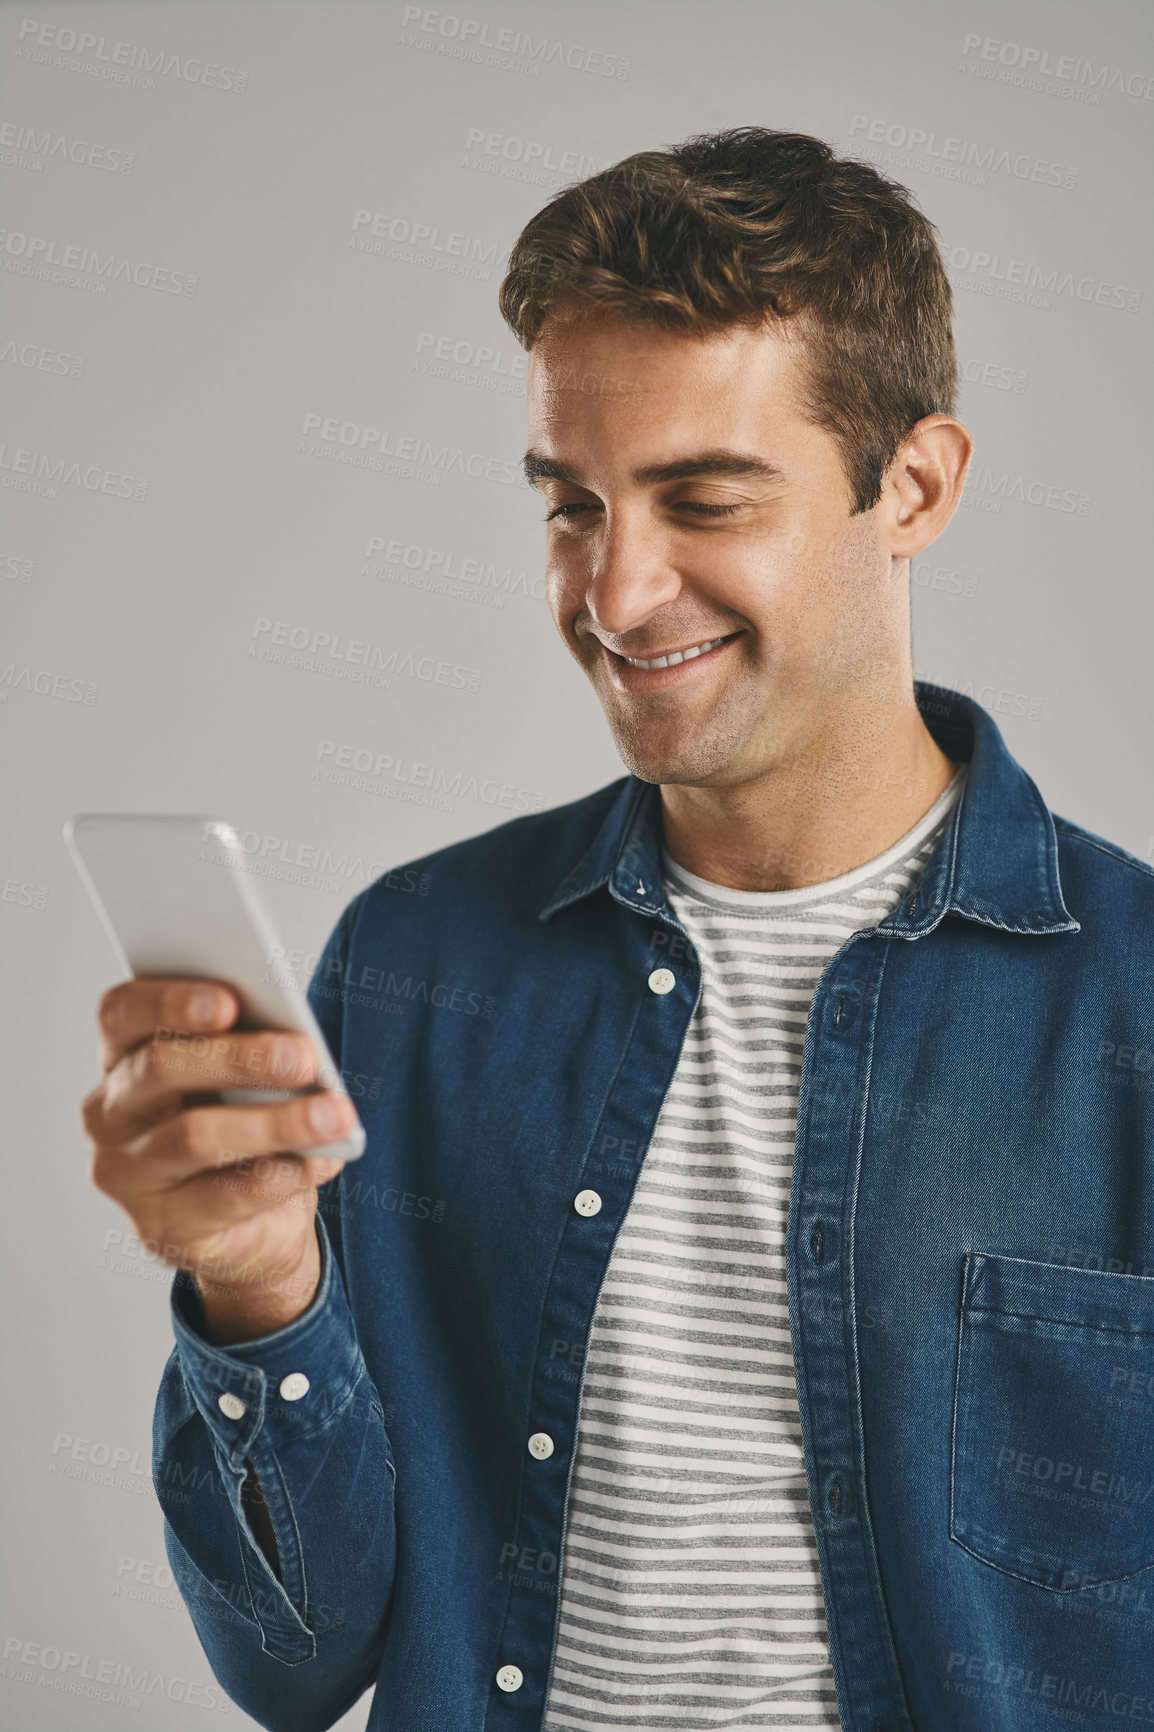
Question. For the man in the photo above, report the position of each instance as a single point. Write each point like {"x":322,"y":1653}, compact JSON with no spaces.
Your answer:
{"x":740,"y":1316}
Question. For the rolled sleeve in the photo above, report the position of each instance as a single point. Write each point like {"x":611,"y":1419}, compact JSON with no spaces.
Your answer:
{"x":279,"y":1389}
{"x":299,"y":1407}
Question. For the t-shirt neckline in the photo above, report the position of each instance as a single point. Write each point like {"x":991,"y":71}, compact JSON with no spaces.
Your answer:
{"x":680,"y":877}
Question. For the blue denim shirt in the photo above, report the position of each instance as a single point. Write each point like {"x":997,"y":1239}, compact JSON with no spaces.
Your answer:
{"x":971,"y":1280}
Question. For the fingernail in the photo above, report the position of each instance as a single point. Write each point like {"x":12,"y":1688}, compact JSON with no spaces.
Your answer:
{"x":323,"y":1171}
{"x":327,"y":1114}
{"x":203,"y":1007}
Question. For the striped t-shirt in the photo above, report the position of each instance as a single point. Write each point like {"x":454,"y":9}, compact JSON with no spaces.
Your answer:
{"x":690,"y":1589}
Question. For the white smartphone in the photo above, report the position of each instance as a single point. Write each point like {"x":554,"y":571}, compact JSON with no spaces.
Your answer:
{"x":176,"y":898}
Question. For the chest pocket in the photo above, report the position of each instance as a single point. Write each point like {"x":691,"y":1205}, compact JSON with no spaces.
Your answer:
{"x":1052,"y":1452}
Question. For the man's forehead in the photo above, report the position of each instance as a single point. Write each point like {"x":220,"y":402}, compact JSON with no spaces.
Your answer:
{"x":637,"y":345}
{"x":583,"y":367}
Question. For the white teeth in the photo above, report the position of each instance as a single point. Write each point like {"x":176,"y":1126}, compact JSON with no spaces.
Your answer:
{"x":675,"y":656}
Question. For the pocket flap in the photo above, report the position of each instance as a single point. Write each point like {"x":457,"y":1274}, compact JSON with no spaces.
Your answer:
{"x":1089,"y":1298}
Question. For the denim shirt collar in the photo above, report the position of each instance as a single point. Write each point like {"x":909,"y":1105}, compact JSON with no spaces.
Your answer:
{"x":996,"y":860}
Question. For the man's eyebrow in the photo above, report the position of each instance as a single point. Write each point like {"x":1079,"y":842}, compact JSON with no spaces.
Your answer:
{"x":717,"y":462}
{"x":537,"y":467}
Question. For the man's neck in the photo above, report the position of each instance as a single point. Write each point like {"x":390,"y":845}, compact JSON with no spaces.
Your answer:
{"x":843,"y":802}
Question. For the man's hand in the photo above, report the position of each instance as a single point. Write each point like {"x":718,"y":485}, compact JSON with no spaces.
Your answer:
{"x":215,"y":1189}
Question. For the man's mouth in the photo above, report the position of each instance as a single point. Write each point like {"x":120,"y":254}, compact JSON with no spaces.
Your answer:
{"x":670,"y":658}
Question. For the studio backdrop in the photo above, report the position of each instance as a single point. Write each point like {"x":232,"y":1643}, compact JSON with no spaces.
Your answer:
{"x":267,"y":553}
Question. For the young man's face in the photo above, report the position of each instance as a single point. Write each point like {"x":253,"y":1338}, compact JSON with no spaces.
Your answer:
{"x":689,"y":500}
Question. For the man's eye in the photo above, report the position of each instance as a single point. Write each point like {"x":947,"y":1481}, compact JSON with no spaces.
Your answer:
{"x":698,"y":507}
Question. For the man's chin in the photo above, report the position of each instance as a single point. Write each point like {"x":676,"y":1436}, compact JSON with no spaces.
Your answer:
{"x":667,"y":761}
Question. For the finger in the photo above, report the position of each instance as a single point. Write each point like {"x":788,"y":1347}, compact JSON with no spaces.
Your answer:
{"x":320,"y":1172}
{"x":187,"y":1220}
{"x":133,"y":1010}
{"x":178,"y":1225}
{"x":153,"y":1079}
{"x":208,"y":1138}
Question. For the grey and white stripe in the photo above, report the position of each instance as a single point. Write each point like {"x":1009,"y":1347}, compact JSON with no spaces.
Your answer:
{"x":691,"y":1595}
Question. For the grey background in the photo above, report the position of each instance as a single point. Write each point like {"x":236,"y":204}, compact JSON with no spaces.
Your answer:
{"x":151,"y":606}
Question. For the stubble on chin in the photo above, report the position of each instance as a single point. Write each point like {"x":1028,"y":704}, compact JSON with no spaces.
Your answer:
{"x":671,"y":747}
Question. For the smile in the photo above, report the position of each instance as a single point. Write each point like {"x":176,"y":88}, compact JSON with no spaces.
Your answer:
{"x":672,"y":657}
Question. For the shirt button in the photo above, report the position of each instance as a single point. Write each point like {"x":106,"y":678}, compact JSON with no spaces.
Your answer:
{"x":662,"y":980}
{"x":587,"y":1203}
{"x":510,"y":1678}
{"x":541,"y":1445}
{"x":231,"y":1405}
{"x":294,"y":1386}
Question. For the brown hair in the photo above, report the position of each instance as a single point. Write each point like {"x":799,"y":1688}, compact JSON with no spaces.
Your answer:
{"x":737,"y":227}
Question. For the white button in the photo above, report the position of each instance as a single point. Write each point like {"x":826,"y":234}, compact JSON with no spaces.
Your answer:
{"x":231,"y":1405}
{"x":587,"y":1202}
{"x":510,"y":1678}
{"x":294,"y":1386}
{"x":541,"y":1445}
{"x":662,"y":980}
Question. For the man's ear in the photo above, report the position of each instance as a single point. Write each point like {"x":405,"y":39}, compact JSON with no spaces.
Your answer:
{"x":923,"y":486}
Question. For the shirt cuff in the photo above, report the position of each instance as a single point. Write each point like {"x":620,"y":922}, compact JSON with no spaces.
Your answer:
{"x":281,"y":1387}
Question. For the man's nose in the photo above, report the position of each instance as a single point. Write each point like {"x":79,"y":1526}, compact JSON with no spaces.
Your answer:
{"x":632,"y":573}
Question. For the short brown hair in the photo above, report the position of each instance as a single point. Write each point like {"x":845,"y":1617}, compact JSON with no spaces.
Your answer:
{"x":740,"y":226}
